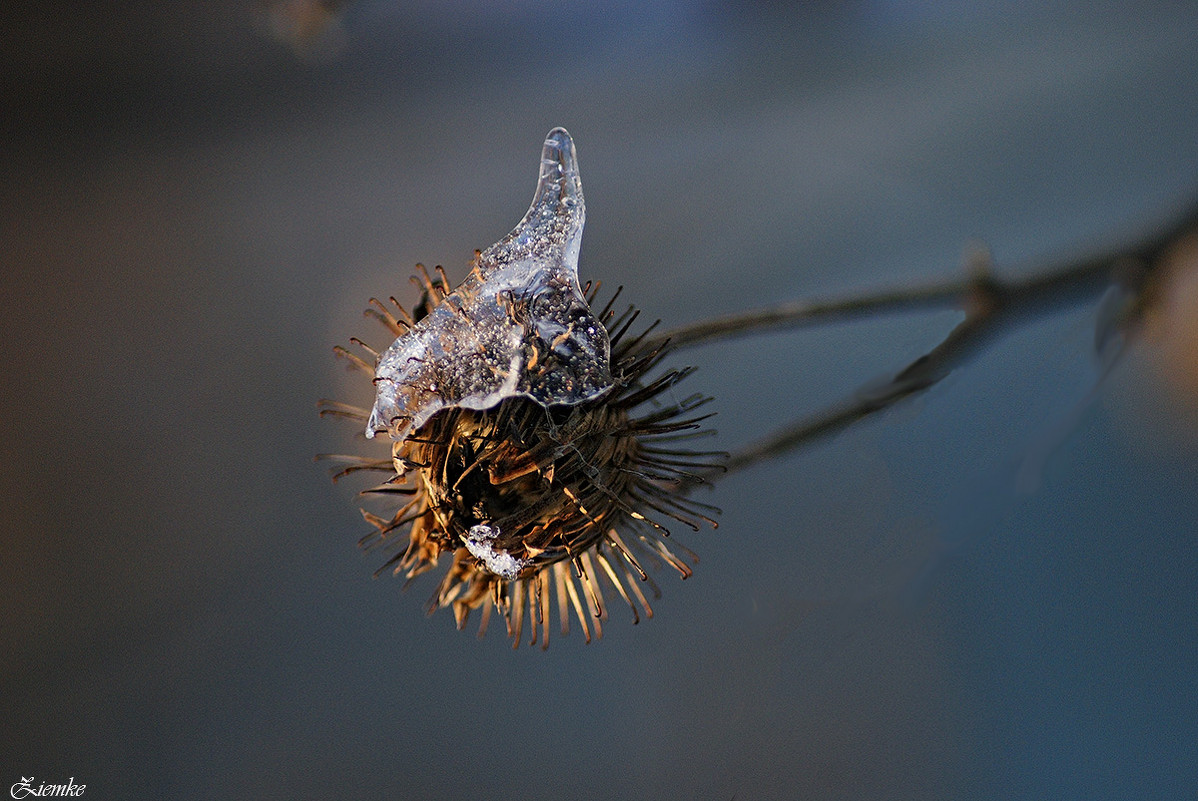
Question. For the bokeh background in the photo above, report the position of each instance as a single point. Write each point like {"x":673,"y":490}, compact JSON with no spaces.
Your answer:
{"x":987,"y":592}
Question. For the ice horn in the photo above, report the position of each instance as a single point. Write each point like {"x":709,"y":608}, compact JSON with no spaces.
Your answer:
{"x":556,"y":216}
{"x":517,"y":326}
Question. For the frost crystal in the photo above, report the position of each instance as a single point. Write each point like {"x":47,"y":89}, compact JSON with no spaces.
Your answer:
{"x":480,"y":541}
{"x":518,"y":326}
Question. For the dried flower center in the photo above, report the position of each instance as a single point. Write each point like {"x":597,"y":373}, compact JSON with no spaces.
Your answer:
{"x":544,"y":482}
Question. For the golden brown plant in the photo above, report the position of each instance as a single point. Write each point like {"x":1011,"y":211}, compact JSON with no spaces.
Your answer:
{"x":516,"y":444}
{"x":530,"y":445}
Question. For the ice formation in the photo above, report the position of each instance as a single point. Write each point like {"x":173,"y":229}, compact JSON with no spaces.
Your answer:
{"x":480,"y":541}
{"x":517,"y":326}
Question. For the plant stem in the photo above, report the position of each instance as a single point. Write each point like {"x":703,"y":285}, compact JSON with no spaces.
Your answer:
{"x":992,"y":306}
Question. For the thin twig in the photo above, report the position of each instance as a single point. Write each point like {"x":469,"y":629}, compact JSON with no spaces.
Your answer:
{"x":991,"y":306}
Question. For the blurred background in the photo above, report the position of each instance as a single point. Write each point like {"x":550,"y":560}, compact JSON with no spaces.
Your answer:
{"x":990,"y":591}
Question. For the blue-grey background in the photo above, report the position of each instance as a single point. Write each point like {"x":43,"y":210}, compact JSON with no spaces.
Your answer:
{"x":194,"y":214}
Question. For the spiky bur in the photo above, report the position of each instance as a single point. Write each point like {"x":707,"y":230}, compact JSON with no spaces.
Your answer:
{"x":528,"y":502}
{"x":534,"y":444}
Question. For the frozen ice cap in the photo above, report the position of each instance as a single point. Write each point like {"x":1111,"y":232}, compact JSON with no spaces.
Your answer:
{"x":517,"y":326}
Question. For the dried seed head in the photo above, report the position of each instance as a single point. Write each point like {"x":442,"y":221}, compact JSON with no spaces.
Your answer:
{"x":516,"y":443}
